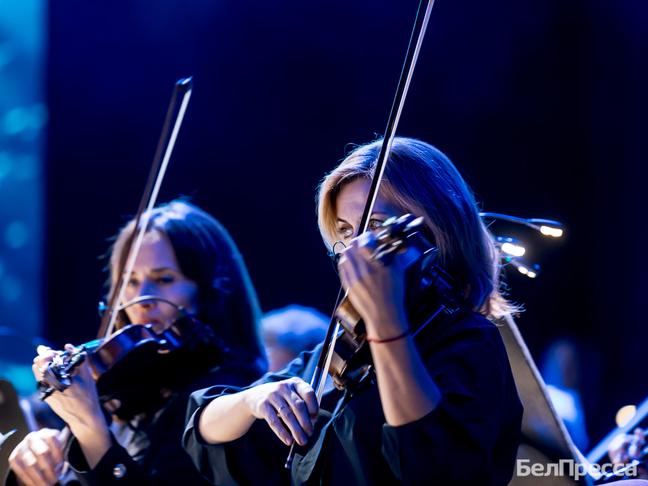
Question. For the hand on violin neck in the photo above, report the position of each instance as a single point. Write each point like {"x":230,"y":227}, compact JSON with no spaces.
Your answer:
{"x":376,"y":289}
{"x":42,"y":360}
{"x":79,"y":404}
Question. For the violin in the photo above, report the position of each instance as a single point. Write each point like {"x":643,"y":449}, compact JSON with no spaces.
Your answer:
{"x":430,"y":291}
{"x":136,"y":366}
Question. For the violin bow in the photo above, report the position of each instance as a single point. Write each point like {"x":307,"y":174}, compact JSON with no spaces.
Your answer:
{"x":423,"y":13}
{"x":170,"y":129}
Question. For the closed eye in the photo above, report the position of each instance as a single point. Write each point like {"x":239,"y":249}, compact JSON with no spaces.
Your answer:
{"x":165,"y":279}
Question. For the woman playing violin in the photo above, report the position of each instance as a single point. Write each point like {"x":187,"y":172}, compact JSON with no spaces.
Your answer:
{"x":439,"y":408}
{"x":188,"y":265}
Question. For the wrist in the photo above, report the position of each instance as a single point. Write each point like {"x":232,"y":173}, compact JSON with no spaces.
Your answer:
{"x":248,"y":402}
{"x":92,"y":426}
{"x":386,"y":327}
{"x":395,"y":337}
{"x":94,"y":444}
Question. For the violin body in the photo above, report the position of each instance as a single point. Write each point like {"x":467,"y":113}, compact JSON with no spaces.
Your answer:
{"x":136,"y":368}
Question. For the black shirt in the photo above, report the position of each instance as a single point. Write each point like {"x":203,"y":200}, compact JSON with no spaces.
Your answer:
{"x":147,"y":451}
{"x":471,"y":437}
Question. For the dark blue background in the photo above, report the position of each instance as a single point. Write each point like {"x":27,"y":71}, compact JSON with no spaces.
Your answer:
{"x":540,"y":103}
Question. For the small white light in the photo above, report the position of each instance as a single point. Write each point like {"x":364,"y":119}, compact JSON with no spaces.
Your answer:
{"x":625,"y":415}
{"x":531,"y":274}
{"x":513,"y":249}
{"x":551,"y":231}
{"x":522,"y":269}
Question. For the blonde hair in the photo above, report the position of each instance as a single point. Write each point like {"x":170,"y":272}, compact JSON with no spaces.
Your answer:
{"x":419,"y":179}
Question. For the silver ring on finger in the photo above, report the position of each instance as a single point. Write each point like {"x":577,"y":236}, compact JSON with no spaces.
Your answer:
{"x":281,"y":409}
{"x":29,"y":459}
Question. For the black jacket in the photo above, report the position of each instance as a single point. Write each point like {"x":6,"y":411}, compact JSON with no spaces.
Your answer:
{"x":470,"y":438}
{"x":148,"y":452}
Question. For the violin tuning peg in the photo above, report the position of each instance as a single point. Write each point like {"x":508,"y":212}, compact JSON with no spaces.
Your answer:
{"x":399,"y":224}
{"x":405,"y":218}
{"x":415,"y":223}
{"x":389,"y":221}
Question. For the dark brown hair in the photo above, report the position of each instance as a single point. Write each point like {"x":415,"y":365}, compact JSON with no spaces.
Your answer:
{"x":207,"y":255}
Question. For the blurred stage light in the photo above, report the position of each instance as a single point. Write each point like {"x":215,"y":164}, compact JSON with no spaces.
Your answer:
{"x":512,"y":248}
{"x":15,"y":121}
{"x":23,"y":115}
{"x":547,"y":227}
{"x":551,"y":231}
{"x":5,"y":164}
{"x":10,"y":289}
{"x":6,"y":54}
{"x":524,"y":270}
{"x":16,"y":234}
{"x":625,"y":415}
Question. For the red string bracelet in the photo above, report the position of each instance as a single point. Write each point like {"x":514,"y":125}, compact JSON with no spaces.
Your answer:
{"x":390,"y":339}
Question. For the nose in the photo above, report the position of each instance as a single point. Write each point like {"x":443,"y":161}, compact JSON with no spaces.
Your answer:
{"x":147,"y":288}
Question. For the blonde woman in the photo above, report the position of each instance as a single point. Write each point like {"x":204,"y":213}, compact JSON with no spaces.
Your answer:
{"x":440,"y":408}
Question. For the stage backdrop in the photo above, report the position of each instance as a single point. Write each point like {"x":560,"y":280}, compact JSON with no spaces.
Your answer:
{"x":540,"y":103}
{"x":23,"y":114}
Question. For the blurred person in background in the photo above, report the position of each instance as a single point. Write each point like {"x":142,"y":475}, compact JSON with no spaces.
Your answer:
{"x":562,"y":374}
{"x":290,"y":330}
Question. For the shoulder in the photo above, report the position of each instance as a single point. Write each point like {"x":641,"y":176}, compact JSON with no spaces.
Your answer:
{"x":464,"y":330}
{"x":467,"y":348}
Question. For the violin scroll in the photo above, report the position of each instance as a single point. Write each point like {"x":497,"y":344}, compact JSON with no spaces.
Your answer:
{"x":58,"y":375}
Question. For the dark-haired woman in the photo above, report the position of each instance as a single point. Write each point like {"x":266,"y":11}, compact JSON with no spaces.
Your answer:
{"x":189,"y":265}
{"x":438,"y":408}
